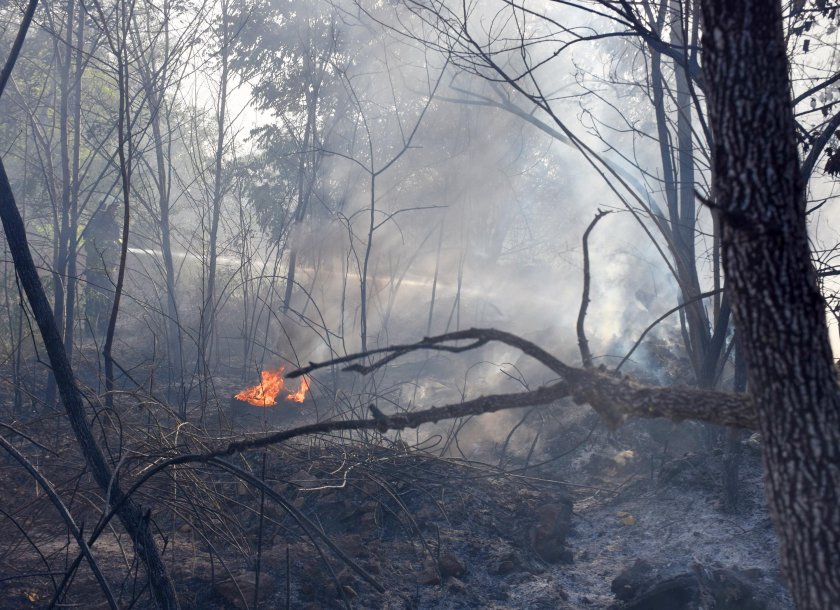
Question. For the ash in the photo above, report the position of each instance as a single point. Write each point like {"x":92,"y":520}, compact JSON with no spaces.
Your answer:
{"x":629,"y":520}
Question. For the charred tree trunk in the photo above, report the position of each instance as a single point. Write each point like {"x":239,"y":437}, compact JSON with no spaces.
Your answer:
{"x":778,"y":309}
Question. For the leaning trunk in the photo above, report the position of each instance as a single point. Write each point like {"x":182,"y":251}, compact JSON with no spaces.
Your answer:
{"x":777,"y":306}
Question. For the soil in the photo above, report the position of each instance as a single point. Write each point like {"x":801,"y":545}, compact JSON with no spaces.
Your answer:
{"x":420,"y":522}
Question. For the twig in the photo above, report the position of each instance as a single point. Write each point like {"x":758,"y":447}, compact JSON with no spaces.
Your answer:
{"x":653,"y":324}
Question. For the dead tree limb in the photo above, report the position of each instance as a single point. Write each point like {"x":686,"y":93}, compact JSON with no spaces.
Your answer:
{"x":616,"y":399}
{"x":64,"y":513}
{"x":583,"y":344}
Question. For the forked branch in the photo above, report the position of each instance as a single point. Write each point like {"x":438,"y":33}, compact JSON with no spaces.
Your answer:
{"x":615,"y":398}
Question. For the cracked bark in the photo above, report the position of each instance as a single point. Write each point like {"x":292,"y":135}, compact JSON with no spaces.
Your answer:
{"x":776,"y":304}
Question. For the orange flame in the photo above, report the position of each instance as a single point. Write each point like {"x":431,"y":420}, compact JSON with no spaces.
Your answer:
{"x":300,"y":395}
{"x":264,"y":394}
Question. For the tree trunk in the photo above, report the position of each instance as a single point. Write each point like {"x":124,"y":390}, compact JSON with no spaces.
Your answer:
{"x":163,"y":166}
{"x":208,"y":313}
{"x":73,"y":236}
{"x":126,"y":157}
{"x":777,"y":306}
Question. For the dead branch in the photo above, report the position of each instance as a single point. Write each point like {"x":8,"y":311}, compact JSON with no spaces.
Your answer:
{"x":66,"y":516}
{"x":478,"y":337}
{"x":615,"y":398}
{"x":585,"y":354}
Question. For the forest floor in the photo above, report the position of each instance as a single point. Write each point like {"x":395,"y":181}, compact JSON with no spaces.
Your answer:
{"x":429,"y":529}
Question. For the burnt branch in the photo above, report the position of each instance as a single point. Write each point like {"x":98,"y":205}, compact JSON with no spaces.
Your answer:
{"x":585,"y":354}
{"x":477,"y":336}
{"x":615,"y":398}
{"x":64,"y":513}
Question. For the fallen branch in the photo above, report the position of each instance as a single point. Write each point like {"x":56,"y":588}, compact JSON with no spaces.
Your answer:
{"x":616,"y":399}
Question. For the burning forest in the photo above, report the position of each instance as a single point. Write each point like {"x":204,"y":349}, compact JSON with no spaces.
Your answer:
{"x":419,"y":305}
{"x":265,"y":393}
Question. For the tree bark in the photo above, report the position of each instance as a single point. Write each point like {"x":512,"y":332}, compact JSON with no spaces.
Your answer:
{"x":777,"y":306}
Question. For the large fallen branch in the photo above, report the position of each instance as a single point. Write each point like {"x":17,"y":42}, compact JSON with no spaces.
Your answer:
{"x":615,"y":398}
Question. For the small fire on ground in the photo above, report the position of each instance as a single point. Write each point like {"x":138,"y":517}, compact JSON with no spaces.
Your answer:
{"x":265,"y":393}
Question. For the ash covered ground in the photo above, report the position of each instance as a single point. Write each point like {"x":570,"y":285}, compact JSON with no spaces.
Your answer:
{"x":552,"y":511}
{"x":631,"y":519}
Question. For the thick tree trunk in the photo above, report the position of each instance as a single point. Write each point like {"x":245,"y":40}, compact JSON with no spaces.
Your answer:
{"x":778,"y":309}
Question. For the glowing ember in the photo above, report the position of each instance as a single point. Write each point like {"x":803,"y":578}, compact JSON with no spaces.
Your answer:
{"x":264,"y":394}
{"x":300,"y":395}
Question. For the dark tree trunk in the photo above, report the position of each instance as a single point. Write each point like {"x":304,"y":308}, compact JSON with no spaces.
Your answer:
{"x":778,"y":309}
